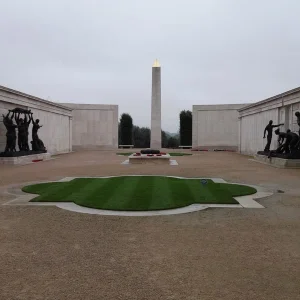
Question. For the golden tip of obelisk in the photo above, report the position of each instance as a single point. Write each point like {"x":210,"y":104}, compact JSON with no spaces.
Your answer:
{"x":156,"y":64}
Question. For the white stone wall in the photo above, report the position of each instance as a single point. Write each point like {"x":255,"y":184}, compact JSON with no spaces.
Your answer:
{"x":255,"y":117}
{"x":216,"y":126}
{"x":95,"y":126}
{"x":56,"y":120}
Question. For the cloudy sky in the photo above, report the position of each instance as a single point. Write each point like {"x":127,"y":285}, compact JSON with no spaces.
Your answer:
{"x":102,"y":51}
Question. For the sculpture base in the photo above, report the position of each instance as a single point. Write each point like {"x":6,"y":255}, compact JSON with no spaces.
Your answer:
{"x":145,"y":159}
{"x":294,"y":155}
{"x":278,"y":162}
{"x":24,"y":159}
{"x":21,"y":153}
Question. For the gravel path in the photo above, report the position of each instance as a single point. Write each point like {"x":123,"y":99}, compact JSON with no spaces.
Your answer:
{"x":49,"y":253}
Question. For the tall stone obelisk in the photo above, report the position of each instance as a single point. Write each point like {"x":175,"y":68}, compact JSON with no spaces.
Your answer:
{"x":155,"y":142}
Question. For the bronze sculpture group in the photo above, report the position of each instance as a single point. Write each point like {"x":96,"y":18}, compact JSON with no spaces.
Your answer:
{"x":22,"y":124}
{"x":289,"y":142}
{"x":269,"y":130}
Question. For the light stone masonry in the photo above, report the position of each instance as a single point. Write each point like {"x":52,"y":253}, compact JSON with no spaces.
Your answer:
{"x":216,"y":126}
{"x":155,"y":142}
{"x":95,"y":126}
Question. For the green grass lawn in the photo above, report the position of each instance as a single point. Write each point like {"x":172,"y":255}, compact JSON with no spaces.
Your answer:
{"x":171,"y":153}
{"x":138,"y":192}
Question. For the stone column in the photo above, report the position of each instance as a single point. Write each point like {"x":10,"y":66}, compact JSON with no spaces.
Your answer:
{"x":155,"y":142}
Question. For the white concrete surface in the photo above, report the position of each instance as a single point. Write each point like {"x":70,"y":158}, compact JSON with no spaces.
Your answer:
{"x":23,"y":160}
{"x":248,"y":202}
{"x":255,"y":117}
{"x":155,"y":140}
{"x":216,"y":126}
{"x":95,"y":126}
{"x":56,"y":119}
{"x":244,"y":201}
{"x":80,"y":209}
{"x":278,"y":162}
{"x":173,"y":162}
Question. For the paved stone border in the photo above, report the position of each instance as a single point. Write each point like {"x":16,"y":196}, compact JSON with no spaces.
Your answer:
{"x":173,"y":162}
{"x":244,"y":201}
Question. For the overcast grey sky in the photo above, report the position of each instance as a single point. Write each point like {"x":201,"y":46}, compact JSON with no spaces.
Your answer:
{"x":96,"y":51}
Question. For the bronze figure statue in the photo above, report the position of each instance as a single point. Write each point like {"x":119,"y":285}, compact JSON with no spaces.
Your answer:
{"x":283,"y":143}
{"x":297,"y":114}
{"x":281,"y":136}
{"x":293,"y":140}
{"x":287,"y":145}
{"x":10,"y":133}
{"x":20,"y":110}
{"x":269,"y":130}
{"x":23,"y":125}
{"x":37,"y":143}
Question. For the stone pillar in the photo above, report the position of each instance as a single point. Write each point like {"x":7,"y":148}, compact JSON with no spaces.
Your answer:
{"x":155,"y":142}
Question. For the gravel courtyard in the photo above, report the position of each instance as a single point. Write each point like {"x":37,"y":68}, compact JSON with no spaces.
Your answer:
{"x":50,"y":253}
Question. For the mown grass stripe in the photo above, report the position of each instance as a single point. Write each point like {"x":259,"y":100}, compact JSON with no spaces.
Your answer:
{"x":181,"y":194}
{"x":123,"y":195}
{"x":220,"y":195}
{"x":61,"y":193}
{"x":41,"y":187}
{"x":101,"y":194}
{"x":161,"y":194}
{"x":207,"y":192}
{"x":53,"y":192}
{"x":85,"y":187}
{"x":141,"y":195}
{"x":236,"y":190}
{"x":197,"y":190}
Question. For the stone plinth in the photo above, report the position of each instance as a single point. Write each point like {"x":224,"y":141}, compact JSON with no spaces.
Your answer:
{"x":26,"y":159}
{"x":145,"y":159}
{"x":279,"y":162}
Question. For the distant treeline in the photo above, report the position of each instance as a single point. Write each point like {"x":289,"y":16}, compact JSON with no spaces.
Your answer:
{"x":130,"y":134}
